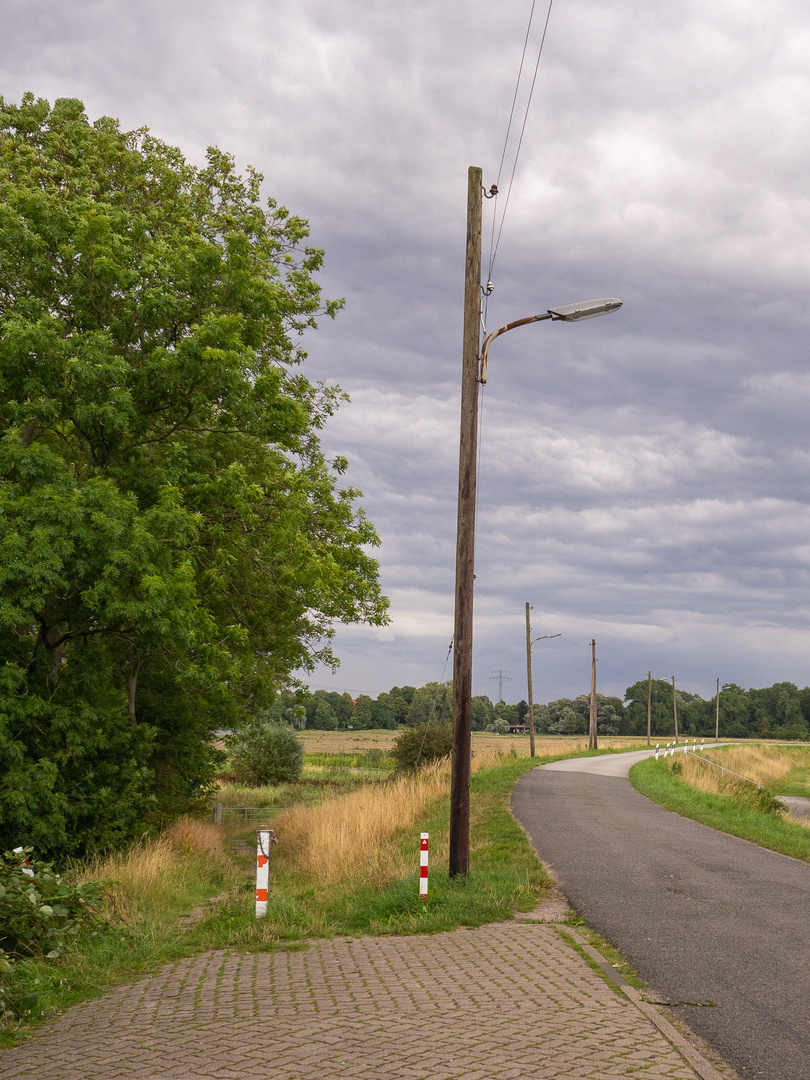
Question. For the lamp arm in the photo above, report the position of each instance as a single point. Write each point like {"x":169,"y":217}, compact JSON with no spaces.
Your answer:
{"x":482,"y":377}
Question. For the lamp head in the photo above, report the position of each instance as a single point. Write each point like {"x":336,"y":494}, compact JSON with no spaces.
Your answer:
{"x":587,"y":309}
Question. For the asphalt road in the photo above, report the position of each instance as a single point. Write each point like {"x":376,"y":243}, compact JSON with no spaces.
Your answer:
{"x":703,"y":917}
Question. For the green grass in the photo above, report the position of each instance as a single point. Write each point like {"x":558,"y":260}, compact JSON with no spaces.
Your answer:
{"x":356,"y":759}
{"x":129,"y":949}
{"x":505,"y":876}
{"x":797,"y":782}
{"x":653,"y":779}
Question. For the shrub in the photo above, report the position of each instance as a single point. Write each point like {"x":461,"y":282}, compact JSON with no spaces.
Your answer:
{"x":421,"y":744}
{"x":40,"y":914}
{"x":266,"y":753}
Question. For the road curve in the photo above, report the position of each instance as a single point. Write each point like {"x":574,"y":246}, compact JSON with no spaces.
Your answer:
{"x":703,"y":917}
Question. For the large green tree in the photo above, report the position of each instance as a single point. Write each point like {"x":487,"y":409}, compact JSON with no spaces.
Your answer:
{"x":173,"y":542}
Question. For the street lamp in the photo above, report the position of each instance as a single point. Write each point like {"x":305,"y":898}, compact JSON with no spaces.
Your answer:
{"x":529,"y":646}
{"x":473,"y":373}
{"x":587,"y":309}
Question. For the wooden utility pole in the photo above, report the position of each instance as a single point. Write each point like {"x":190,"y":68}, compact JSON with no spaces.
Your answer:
{"x":717,"y":713}
{"x":529,"y":646}
{"x":593,"y":742}
{"x":529,"y":678}
{"x":675,"y":709}
{"x":649,"y":705}
{"x":465,"y":539}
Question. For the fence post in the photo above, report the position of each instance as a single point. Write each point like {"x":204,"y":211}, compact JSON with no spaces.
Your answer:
{"x":423,"y":866}
{"x":218,"y":813}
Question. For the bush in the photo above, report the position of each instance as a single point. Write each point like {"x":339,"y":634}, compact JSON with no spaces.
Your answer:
{"x":421,"y":744}
{"x":40,"y":914}
{"x":266,"y":753}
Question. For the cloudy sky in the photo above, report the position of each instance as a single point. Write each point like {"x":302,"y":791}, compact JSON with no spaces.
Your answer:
{"x":644,"y":477}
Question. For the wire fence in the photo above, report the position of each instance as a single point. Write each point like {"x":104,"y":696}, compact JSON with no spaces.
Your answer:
{"x":243,"y":813}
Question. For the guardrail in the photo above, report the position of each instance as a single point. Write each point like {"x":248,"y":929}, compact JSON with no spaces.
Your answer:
{"x":244,"y":813}
{"x":722,"y":768}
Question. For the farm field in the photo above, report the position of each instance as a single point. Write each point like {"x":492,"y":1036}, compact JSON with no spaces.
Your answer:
{"x":341,"y":742}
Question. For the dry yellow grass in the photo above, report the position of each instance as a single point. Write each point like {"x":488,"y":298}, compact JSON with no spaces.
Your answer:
{"x":351,"y":835}
{"x":149,"y":872}
{"x":765,"y":765}
{"x":342,"y":742}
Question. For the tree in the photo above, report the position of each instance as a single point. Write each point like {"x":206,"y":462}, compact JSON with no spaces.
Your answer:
{"x":662,"y":718}
{"x":266,"y":753}
{"x":432,"y":703}
{"x":482,"y":712}
{"x":406,"y":692}
{"x":323,"y":716}
{"x":419,"y":745}
{"x":400,"y":708}
{"x":382,"y":714}
{"x":569,"y":722}
{"x":170,"y":529}
{"x":363,"y":713}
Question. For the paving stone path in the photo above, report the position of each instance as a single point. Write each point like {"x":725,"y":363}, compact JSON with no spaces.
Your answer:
{"x":503,"y":1002}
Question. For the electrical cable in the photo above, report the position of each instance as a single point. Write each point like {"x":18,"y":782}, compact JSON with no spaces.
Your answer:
{"x":495,"y":243}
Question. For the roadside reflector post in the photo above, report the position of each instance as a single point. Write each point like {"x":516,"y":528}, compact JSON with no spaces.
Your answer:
{"x":657,"y":745}
{"x":264,"y":839}
{"x":423,"y":866}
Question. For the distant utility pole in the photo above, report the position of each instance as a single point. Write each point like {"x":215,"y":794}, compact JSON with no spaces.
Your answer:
{"x":675,"y":709}
{"x":592,"y":739}
{"x":649,"y":705}
{"x":717,"y":713}
{"x":500,"y":678}
{"x":529,"y":644}
{"x":529,"y":678}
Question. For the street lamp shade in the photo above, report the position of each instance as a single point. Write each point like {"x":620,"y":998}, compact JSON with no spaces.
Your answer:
{"x":588,"y":309}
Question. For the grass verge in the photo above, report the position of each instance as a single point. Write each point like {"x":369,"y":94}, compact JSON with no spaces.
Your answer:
{"x":346,"y":866}
{"x":720,"y":811}
{"x":350,"y":866}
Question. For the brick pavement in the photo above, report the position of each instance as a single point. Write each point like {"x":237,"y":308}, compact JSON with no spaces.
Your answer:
{"x":506,"y":1001}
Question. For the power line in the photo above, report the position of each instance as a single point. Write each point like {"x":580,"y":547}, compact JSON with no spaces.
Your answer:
{"x":495,"y":242}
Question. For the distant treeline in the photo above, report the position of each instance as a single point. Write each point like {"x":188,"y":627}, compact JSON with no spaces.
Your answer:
{"x":781,"y":711}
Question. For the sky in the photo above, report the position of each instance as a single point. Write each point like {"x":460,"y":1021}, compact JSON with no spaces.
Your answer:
{"x":643,"y":477}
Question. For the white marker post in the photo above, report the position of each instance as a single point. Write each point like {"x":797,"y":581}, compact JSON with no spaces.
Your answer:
{"x":423,"y":866}
{"x":657,"y":745}
{"x":263,"y":841}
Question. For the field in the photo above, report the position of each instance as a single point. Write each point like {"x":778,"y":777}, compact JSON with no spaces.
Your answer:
{"x":340,"y":742}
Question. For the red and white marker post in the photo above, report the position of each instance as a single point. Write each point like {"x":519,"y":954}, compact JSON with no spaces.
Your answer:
{"x":263,"y":841}
{"x":423,"y":866}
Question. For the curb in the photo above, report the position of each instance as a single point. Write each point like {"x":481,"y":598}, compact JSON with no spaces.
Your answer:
{"x":702,"y":1067}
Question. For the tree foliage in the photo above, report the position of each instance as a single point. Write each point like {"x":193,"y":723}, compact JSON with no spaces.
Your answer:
{"x":264,"y":752}
{"x":173,"y":542}
{"x":419,"y":745}
{"x":780,"y":711}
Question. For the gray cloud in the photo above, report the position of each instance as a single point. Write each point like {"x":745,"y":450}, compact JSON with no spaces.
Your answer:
{"x":644,"y":478}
